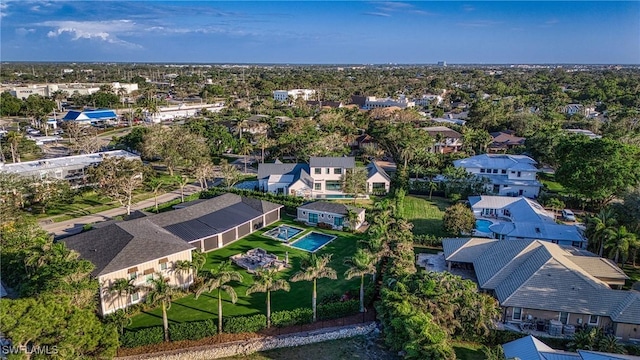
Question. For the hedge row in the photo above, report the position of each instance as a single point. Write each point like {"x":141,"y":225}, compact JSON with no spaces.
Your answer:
{"x":427,"y":240}
{"x":338,"y":309}
{"x":142,"y":337}
{"x":240,"y":324}
{"x":290,"y":203}
{"x":192,"y":330}
{"x":293,"y":317}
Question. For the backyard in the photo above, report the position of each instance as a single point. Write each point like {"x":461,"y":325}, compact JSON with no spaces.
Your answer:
{"x":190,"y":309}
{"x":425,"y":214}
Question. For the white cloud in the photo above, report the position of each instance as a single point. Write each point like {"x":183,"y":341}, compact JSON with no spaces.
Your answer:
{"x":106,"y":31}
{"x":377,"y":14}
{"x":23,"y":31}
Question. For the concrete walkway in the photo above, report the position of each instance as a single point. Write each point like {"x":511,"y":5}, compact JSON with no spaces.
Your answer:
{"x":74,"y":226}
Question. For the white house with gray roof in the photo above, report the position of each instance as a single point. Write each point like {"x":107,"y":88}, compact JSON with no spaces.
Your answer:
{"x":516,"y":218}
{"x":530,"y":348}
{"x":537,"y":280}
{"x":509,"y":175}
{"x":321,"y":178}
{"x":334,"y":214}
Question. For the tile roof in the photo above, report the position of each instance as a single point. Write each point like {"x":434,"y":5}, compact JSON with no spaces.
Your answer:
{"x":504,"y":138}
{"x":348,"y":162}
{"x":278,"y":168}
{"x":449,"y":133}
{"x":465,"y":249}
{"x":530,"y":348}
{"x":599,"y":267}
{"x":125,"y":244}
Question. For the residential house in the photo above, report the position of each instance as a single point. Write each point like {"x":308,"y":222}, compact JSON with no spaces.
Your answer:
{"x":427,"y":99}
{"x":530,"y":348}
{"x":587,"y":111}
{"x":378,"y":181}
{"x":363,"y":141}
{"x":334,"y":214}
{"x":505,"y":140}
{"x":563,"y":287}
{"x":91,"y":117}
{"x":321,"y":178}
{"x":283,"y":95}
{"x":71,"y":168}
{"x":516,"y":218}
{"x":136,"y":250}
{"x":446,"y":140}
{"x":372,"y":102}
{"x":139,"y":248}
{"x":509,"y":175}
{"x":181,"y":111}
{"x":586,"y":133}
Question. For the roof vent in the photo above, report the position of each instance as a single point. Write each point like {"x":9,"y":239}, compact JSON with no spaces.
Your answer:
{"x":537,"y":229}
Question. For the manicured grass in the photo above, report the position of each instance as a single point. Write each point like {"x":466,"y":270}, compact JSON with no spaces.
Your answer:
{"x":426,"y":215}
{"x":468,"y":351}
{"x":548,"y":180}
{"x":205,"y":307}
{"x":632,"y":273}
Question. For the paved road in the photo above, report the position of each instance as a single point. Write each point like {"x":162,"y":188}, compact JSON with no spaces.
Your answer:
{"x":74,"y":226}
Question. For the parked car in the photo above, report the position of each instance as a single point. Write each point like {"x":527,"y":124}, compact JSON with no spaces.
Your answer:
{"x":568,"y":215}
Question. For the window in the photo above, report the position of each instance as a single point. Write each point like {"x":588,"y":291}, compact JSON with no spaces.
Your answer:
{"x":135,"y":297}
{"x":379,"y":186}
{"x":149,"y":278}
{"x":332,"y":185}
{"x":317,"y":171}
{"x":503,"y":171}
{"x":482,"y":171}
{"x":317,"y":186}
{"x":564,"y":318}
{"x":133,"y":275}
{"x":495,"y":171}
{"x":163,"y":266}
{"x":328,"y":171}
{"x":519,"y":173}
{"x":594,"y":319}
{"x":338,"y":221}
{"x":313,"y":218}
{"x":517,"y":313}
{"x":337,"y":171}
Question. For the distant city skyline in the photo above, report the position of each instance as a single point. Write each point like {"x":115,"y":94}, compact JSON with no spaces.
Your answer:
{"x":315,"y":32}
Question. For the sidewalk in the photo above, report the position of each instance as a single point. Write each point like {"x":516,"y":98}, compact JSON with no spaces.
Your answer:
{"x":74,"y":226}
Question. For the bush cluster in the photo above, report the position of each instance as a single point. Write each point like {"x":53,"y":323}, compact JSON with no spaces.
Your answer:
{"x":192,"y":330}
{"x":427,"y":240}
{"x":338,"y":309}
{"x":240,"y":324}
{"x":293,"y":317}
{"x":290,"y":203}
{"x":142,"y":337}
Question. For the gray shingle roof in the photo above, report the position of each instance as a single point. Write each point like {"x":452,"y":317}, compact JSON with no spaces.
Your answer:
{"x":265,"y":170}
{"x":628,"y":311}
{"x":465,"y":250}
{"x":331,"y":207}
{"x":497,"y":257}
{"x":348,"y":162}
{"x":599,"y":267}
{"x":373,"y":169}
{"x":125,"y":244}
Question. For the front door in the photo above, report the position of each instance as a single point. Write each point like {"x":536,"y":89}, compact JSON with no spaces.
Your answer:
{"x":338,"y":221}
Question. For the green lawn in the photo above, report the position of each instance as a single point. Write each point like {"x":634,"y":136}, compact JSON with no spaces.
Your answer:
{"x":548,"y":180}
{"x":468,"y":351}
{"x":189,"y":309}
{"x":425,"y":215}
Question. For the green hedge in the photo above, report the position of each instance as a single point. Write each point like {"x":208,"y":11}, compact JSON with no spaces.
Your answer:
{"x":193,"y":330}
{"x":290,"y":202}
{"x":240,"y":324}
{"x":338,"y":309}
{"x":298,"y":316}
{"x":427,"y":240}
{"x":142,"y":337}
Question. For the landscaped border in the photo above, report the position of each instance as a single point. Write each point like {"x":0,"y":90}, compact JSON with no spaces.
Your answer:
{"x":333,"y":237}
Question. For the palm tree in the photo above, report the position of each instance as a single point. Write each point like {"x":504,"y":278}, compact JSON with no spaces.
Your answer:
{"x":634,"y":245}
{"x":360,"y":264}
{"x":313,"y":268}
{"x":418,"y":169}
{"x":266,"y":281}
{"x":618,"y":242}
{"x":432,"y":186}
{"x":159,"y":291}
{"x":155,"y":184}
{"x":352,"y":219}
{"x":198,"y":260}
{"x":182,"y":267}
{"x":263,"y":142}
{"x":13,"y":139}
{"x":245,"y":149}
{"x":598,"y":226}
{"x":181,"y":181}
{"x":217,"y":279}
{"x":122,"y":287}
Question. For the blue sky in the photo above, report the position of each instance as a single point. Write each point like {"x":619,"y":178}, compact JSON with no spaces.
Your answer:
{"x":321,"y":32}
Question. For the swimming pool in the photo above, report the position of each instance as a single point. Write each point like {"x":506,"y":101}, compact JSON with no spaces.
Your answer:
{"x":313,"y":241}
{"x":483,"y":225}
{"x":283,"y":232}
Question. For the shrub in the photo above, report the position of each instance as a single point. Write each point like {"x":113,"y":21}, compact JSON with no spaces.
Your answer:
{"x":142,"y":337}
{"x":499,"y":337}
{"x":329,"y":298}
{"x":298,"y":316}
{"x":427,"y":240}
{"x":323,"y":225}
{"x":192,"y":330}
{"x":240,"y":324}
{"x":338,"y":309}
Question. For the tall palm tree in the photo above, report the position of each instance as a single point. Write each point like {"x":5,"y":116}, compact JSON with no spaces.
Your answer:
{"x":155,"y":184}
{"x":313,"y":268}
{"x":181,"y":181}
{"x":266,"y":281}
{"x":618,"y":242}
{"x":599,"y":225}
{"x":122,"y":287}
{"x":263,"y":142}
{"x":13,"y":139}
{"x":634,"y":245}
{"x":159,"y":291}
{"x":217,"y":279}
{"x":198,"y":260}
{"x":245,"y":149}
{"x":360,"y":264}
{"x":182,"y":267}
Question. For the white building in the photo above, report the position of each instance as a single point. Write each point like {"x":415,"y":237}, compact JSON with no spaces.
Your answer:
{"x":510,"y":175}
{"x":515,"y":218}
{"x":588,"y":111}
{"x":330,"y":213}
{"x":283,"y":95}
{"x":371,"y":102}
{"x":428,"y":99}
{"x":166,"y":113}
{"x":47,"y":90}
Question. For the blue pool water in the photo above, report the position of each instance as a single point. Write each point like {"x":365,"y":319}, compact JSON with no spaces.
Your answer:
{"x":483,"y":225}
{"x":312,"y":241}
{"x":283,"y":232}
